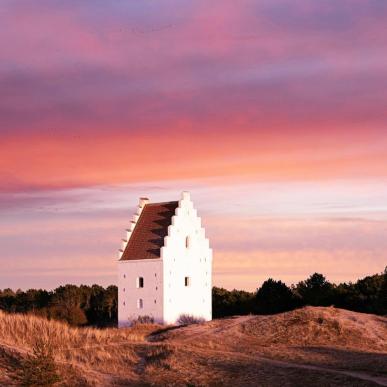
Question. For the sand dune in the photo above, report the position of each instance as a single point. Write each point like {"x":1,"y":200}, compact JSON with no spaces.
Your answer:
{"x":309,"y":346}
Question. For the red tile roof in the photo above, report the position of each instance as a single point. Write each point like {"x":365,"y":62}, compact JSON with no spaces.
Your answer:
{"x":148,"y":235}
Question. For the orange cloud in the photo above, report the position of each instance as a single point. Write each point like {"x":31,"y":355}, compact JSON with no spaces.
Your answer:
{"x":205,"y":94}
{"x":68,"y":161}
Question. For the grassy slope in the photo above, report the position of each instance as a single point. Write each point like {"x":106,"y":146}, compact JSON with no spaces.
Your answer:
{"x":309,"y":346}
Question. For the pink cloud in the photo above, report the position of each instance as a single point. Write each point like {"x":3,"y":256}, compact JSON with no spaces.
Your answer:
{"x":96,"y":94}
{"x":256,"y":231}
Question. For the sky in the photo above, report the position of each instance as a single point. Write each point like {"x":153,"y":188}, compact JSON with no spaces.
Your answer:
{"x":273,"y":114}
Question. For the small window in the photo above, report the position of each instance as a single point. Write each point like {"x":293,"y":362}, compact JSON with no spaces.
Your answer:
{"x":124,"y":275}
{"x":155,"y":301}
{"x":187,"y":281}
{"x":187,"y":242}
{"x":123,"y":303}
{"x":140,"y":282}
{"x":140,"y":303}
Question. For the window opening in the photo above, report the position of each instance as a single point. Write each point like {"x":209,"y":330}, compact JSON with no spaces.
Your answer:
{"x":140,"y":282}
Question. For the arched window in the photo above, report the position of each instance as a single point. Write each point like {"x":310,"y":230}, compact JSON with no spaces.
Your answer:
{"x":140,"y":303}
{"x":140,"y":282}
{"x":187,"y":242}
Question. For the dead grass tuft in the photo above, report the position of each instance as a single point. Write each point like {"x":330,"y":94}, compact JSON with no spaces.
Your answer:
{"x":159,"y":356}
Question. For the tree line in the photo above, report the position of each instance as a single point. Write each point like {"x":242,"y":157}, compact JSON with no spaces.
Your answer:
{"x":367,"y":295}
{"x":78,"y":305}
{"x":97,"y":306}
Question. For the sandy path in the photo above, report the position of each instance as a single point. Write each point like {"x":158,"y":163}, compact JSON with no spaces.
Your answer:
{"x":380,"y":380}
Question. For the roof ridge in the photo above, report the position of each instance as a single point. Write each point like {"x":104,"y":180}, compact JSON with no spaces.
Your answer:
{"x":161,"y":203}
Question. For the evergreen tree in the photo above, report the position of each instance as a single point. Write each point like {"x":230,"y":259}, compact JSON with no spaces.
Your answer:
{"x":229,"y":303}
{"x":38,"y":368}
{"x":274,"y":297}
{"x":382,"y":309}
{"x":316,"y":290}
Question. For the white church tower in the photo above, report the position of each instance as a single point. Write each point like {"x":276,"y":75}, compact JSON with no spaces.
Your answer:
{"x":165,"y":264}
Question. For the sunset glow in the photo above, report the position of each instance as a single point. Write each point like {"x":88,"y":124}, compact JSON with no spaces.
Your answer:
{"x":273,"y":115}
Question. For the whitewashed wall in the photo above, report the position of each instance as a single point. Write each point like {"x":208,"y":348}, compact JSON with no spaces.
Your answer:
{"x":129,"y":294}
{"x":194,"y":262}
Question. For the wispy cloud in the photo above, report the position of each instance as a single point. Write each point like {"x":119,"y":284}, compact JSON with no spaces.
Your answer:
{"x":263,"y":229}
{"x":271,"y":113}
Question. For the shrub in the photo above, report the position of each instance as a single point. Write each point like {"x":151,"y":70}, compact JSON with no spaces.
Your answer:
{"x":38,"y":368}
{"x":142,"y":320}
{"x":187,"y":319}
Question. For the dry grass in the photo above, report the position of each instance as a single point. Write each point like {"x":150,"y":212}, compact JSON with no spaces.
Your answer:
{"x":286,"y":349}
{"x":243,"y":347}
{"x":320,"y":326}
{"x":85,"y":349}
{"x":20,"y":329}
